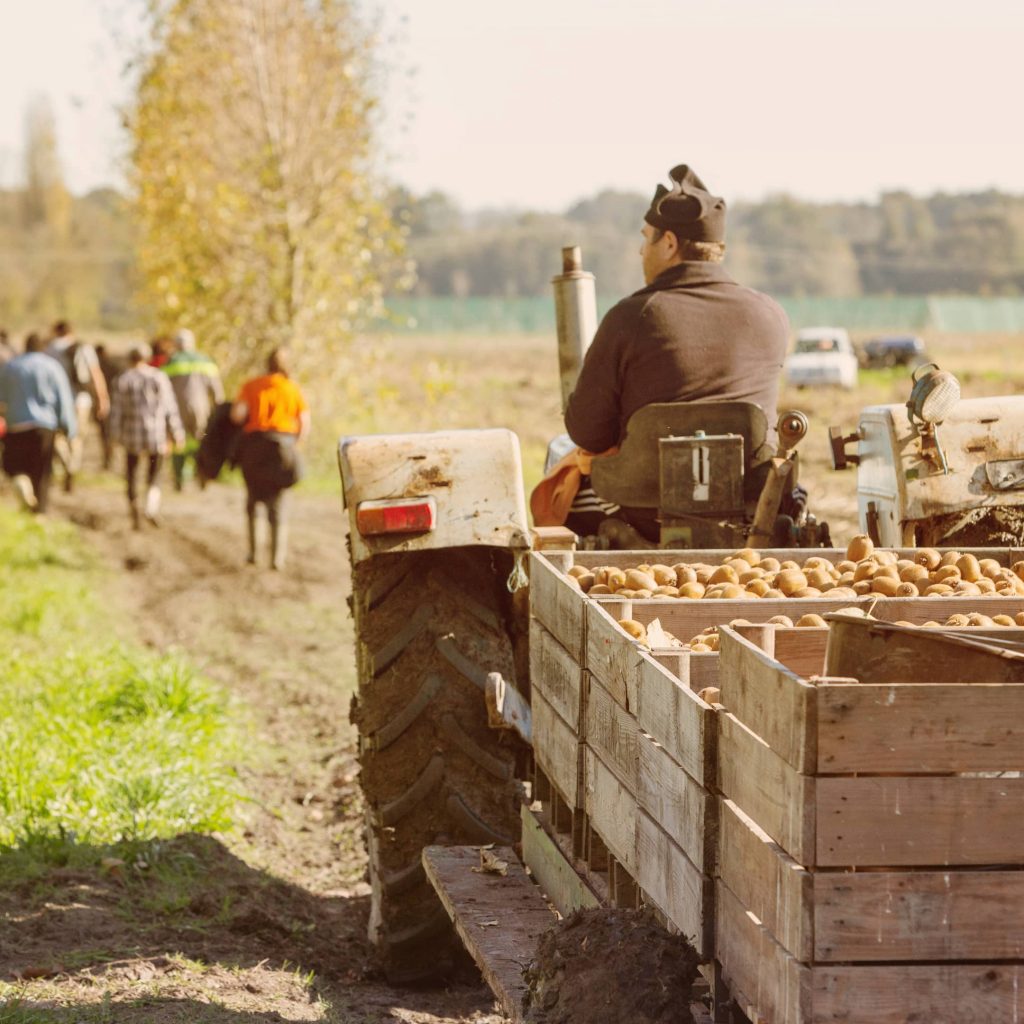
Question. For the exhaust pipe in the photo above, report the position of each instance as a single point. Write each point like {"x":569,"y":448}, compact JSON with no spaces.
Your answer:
{"x":575,"y":317}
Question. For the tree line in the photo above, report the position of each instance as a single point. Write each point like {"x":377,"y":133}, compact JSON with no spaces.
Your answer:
{"x":901,"y":244}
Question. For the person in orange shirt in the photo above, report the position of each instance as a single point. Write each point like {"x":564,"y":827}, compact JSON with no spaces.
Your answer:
{"x":275,"y":420}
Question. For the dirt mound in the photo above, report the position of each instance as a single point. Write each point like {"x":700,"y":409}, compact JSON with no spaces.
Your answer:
{"x":609,"y":966}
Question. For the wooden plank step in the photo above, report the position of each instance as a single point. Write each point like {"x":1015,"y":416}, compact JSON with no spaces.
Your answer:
{"x":498,"y":917}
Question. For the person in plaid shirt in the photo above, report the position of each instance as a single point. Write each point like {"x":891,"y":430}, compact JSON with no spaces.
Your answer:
{"x":144,"y":419}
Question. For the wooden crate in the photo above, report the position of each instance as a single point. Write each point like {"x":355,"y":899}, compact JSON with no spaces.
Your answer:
{"x":869,"y":860}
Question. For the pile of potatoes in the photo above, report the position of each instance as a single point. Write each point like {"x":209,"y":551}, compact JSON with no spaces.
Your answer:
{"x":864,"y":572}
{"x":707,"y":639}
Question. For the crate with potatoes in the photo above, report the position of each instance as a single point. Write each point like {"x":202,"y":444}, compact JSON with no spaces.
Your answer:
{"x":869,"y":865}
{"x":626,"y":675}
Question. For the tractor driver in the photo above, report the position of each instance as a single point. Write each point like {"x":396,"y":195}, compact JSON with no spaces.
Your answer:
{"x":693,"y":334}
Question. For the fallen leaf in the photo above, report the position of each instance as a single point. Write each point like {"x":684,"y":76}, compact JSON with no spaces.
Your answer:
{"x":491,"y":864}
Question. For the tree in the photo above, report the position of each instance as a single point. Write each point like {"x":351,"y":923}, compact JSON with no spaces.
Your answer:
{"x":46,"y":202}
{"x":260,"y":217}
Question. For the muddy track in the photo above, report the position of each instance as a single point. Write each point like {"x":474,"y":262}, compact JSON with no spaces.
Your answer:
{"x":286,"y":894}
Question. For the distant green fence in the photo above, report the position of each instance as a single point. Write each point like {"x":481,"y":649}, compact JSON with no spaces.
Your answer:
{"x":536,"y":315}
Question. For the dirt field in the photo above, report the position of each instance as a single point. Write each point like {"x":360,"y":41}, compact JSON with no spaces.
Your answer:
{"x":267,"y":924}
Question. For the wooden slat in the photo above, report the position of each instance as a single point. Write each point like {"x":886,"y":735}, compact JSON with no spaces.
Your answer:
{"x":776,"y":985}
{"x":769,"y":699}
{"x":922,"y":821}
{"x":929,"y":993}
{"x":499,"y":918}
{"x":918,"y":915}
{"x":683,"y":808}
{"x":613,"y":657}
{"x":767,"y":789}
{"x":553,"y":872}
{"x":801,"y":650}
{"x":555,"y":603}
{"x":875,"y":652}
{"x":611,"y":810}
{"x":556,"y":749}
{"x":612,"y":732}
{"x":679,"y":720}
{"x":920,"y":727}
{"x":555,"y":674}
{"x":677,"y":888}
{"x":767,"y":881}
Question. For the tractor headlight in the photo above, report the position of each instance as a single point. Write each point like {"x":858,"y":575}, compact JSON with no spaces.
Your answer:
{"x":933,"y":396}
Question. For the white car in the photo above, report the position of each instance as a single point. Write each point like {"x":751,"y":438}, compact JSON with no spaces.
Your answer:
{"x":822,"y":356}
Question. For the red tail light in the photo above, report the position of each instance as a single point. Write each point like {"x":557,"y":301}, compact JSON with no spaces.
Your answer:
{"x":396,"y":515}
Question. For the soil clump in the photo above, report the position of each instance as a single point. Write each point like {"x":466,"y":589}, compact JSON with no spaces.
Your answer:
{"x":608,"y":966}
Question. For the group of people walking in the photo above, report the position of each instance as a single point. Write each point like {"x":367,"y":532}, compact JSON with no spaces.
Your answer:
{"x":161,"y":401}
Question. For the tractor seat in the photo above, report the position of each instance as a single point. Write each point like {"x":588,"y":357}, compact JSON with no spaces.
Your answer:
{"x":631,"y":477}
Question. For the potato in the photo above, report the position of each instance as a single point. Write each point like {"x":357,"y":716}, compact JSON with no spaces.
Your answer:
{"x":913,"y":573}
{"x":704,"y":574}
{"x":846,"y":593}
{"x":710,"y":695}
{"x":616,"y":579}
{"x":965,"y":589}
{"x":947,"y":573}
{"x":700,"y":648}
{"x":780,"y":620}
{"x":986,"y":586}
{"x":989,"y":567}
{"x":931,"y":624}
{"x":888,"y":570}
{"x":1019,"y":618}
{"x":903,"y":622}
{"x":846,"y":565}
{"x":884,"y":585}
{"x":773,"y":594}
{"x":860,"y":547}
{"x":958,"y":619}
{"x":693,"y":590}
{"x":586,"y":581}
{"x":749,"y":555}
{"x":574,"y":583}
{"x":904,"y":563}
{"x":642,"y":595}
{"x":969,"y":568}
{"x":817,"y":562}
{"x":789,"y":581}
{"x":666,"y":591}
{"x":600,"y":588}
{"x":928,"y":557}
{"x":818,"y":577}
{"x":1018,"y":568}
{"x":810,"y":620}
{"x":1003,"y":620}
{"x":806,"y":592}
{"x":862,"y":588}
{"x":635,"y":629}
{"x":789,"y":564}
{"x":578,"y":570}
{"x":937,"y":590}
{"x":886,"y":558}
{"x":949,"y":558}
{"x":758,"y":588}
{"x":846,"y":579}
{"x":626,"y":594}
{"x":712,"y":641}
{"x":637,"y":579}
{"x":770,"y":564}
{"x":865,"y":570}
{"x":725,"y":574}
{"x":664,"y":576}
{"x":977,"y":619}
{"x":727,"y":592}
{"x":684,"y":573}
{"x":741,"y":565}
{"x":906,"y":590}
{"x":750,"y":575}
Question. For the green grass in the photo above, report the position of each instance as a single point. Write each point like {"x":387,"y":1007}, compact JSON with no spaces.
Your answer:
{"x":100,"y":744}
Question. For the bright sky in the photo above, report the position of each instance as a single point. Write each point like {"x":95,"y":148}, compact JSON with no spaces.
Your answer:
{"x":539,"y":102}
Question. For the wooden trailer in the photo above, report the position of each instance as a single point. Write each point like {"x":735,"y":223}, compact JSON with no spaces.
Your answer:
{"x":836,"y":848}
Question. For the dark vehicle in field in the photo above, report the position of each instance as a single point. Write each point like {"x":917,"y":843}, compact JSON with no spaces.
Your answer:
{"x":893,"y":350}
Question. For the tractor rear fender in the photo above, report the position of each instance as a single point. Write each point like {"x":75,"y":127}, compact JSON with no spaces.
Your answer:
{"x":472,"y":481}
